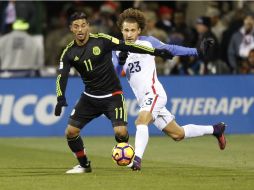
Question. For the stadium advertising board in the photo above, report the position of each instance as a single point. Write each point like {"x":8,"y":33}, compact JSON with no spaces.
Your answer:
{"x":27,"y":105}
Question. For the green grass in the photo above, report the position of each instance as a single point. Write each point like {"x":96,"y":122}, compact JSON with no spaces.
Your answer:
{"x":194,"y":164}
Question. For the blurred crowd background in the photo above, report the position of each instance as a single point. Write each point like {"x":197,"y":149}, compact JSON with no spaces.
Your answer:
{"x":33,"y":34}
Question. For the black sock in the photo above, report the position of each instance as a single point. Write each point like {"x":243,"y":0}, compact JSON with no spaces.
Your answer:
{"x":77,"y":147}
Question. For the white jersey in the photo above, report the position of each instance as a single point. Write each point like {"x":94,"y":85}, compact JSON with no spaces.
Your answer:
{"x":141,"y":73}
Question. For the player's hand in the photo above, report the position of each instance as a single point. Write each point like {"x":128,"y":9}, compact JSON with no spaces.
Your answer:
{"x":163,"y":53}
{"x":205,"y":44}
{"x":123,"y":55}
{"x":61,"y":102}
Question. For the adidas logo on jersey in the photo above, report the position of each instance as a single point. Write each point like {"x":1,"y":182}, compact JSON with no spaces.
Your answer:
{"x":76,"y":58}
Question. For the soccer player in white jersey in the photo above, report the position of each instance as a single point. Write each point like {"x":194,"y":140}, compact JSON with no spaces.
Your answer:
{"x":141,"y":74}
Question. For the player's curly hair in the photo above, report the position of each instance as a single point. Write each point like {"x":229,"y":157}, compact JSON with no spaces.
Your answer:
{"x":132,"y":15}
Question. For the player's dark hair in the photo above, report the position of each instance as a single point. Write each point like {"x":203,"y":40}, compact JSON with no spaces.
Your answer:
{"x":77,"y":16}
{"x":132,"y":15}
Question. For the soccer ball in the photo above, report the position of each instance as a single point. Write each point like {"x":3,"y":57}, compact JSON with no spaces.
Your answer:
{"x":123,"y":154}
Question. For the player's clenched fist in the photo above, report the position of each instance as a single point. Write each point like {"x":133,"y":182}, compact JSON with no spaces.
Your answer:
{"x":122,"y":57}
{"x":61,"y":102}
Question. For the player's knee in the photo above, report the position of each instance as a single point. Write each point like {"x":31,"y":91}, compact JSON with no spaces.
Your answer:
{"x":140,"y":122}
{"x":174,"y":131}
{"x":143,"y":118}
{"x":177,"y":136}
{"x":71,"y":131}
{"x":122,"y":136}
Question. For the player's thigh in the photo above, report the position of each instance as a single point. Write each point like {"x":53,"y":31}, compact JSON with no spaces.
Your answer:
{"x":152,"y":103}
{"x":164,"y":120}
{"x":84,"y":111}
{"x":166,"y":123}
{"x":115,"y":110}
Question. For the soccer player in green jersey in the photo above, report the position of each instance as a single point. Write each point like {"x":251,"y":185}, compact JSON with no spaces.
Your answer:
{"x":91,"y":55}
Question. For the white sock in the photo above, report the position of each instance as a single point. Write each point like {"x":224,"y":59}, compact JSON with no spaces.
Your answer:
{"x":192,"y":130}
{"x":141,"y":140}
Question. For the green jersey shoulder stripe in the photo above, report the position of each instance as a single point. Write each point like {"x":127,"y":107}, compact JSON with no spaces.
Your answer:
{"x":93,"y":35}
{"x":100,"y":35}
{"x":67,"y":47}
{"x":105,"y":36}
{"x":140,"y":47}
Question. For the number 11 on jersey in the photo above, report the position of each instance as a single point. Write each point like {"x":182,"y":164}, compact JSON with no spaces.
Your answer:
{"x":88,"y":65}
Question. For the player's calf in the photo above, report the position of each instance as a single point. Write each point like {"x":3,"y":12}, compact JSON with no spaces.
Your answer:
{"x":122,"y":138}
{"x":77,"y":147}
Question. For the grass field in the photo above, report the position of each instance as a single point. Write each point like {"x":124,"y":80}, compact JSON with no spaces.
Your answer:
{"x":196,"y":164}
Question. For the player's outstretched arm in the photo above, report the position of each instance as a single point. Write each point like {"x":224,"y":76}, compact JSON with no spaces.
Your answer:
{"x":175,"y":50}
{"x":61,"y":82}
{"x":115,"y":44}
{"x":134,"y":48}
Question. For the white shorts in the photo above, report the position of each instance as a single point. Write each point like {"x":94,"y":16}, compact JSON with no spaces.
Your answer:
{"x":155,"y":104}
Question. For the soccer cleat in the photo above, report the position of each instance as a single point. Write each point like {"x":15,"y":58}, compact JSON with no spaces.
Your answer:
{"x":136,"y":164}
{"x":79,"y":169}
{"x":218,"y":132}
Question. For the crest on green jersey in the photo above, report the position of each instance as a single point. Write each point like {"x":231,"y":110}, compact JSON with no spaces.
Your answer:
{"x":96,"y":50}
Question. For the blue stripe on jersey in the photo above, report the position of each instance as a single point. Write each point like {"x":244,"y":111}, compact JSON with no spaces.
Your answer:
{"x":174,"y":49}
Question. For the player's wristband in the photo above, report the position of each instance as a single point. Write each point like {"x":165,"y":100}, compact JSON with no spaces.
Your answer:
{"x":61,"y":98}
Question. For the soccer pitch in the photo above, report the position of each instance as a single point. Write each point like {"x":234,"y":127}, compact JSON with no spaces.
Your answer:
{"x":195,"y":164}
